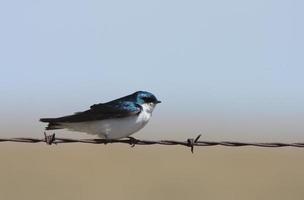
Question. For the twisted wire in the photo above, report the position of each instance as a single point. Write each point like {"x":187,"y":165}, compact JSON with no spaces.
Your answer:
{"x":191,"y":142}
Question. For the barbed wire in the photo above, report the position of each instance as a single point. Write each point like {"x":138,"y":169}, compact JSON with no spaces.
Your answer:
{"x":191,"y":142}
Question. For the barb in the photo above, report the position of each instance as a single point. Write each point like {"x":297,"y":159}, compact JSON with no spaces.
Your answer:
{"x":191,"y":142}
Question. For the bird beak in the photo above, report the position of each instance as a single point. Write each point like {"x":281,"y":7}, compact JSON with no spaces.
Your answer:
{"x":157,"y":102}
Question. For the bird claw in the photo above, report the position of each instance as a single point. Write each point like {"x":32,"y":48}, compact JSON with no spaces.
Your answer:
{"x":132,"y":141}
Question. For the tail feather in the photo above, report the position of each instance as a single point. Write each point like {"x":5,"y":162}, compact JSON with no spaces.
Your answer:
{"x":48,"y":119}
{"x":52,"y":124}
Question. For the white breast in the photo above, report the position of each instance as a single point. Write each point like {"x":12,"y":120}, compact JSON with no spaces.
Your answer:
{"x":114,"y":128}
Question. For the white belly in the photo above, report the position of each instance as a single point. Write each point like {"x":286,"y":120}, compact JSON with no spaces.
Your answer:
{"x":111,"y":128}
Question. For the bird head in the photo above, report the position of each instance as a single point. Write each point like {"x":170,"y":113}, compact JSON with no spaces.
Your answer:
{"x":148,"y":98}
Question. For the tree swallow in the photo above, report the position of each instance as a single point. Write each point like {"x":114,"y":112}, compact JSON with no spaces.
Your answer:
{"x":112,"y":120}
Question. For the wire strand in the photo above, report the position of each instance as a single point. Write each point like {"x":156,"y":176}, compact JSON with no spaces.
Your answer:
{"x":191,"y":142}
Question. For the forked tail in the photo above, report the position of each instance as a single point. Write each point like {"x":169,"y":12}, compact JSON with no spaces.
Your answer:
{"x":52,"y":124}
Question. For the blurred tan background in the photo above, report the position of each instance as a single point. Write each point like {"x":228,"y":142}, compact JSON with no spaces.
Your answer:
{"x":230,"y":70}
{"x":80,"y":171}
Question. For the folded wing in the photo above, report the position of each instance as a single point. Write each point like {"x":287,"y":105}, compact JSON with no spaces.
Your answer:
{"x":100,"y":112}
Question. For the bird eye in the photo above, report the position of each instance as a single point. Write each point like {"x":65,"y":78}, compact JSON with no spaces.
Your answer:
{"x":147,"y":99}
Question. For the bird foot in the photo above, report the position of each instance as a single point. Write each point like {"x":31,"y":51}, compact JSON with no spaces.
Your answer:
{"x":132,"y":141}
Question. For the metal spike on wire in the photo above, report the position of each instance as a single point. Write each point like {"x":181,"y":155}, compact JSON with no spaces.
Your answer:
{"x":191,"y":142}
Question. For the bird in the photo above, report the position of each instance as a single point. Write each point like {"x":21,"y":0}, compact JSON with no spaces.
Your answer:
{"x":115,"y":119}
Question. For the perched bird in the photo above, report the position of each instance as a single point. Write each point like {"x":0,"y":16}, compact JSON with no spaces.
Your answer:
{"x":112,"y":120}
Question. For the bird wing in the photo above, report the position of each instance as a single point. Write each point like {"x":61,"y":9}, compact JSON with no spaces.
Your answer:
{"x":100,"y":112}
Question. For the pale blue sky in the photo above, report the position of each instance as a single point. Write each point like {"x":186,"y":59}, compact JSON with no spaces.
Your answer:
{"x":228,"y":69}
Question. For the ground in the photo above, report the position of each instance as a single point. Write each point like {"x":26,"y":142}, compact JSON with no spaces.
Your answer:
{"x":116,"y":171}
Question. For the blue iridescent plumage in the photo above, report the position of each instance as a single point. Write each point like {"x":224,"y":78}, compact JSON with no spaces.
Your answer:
{"x":122,"y":107}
